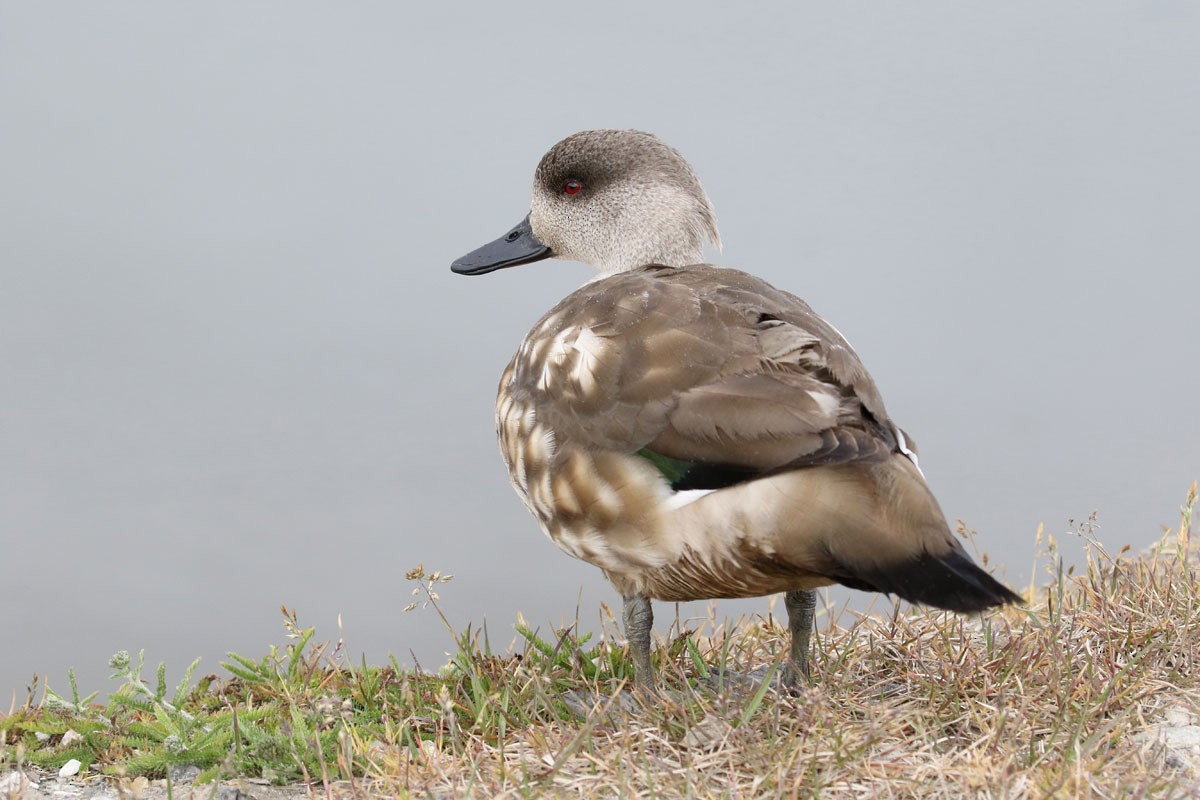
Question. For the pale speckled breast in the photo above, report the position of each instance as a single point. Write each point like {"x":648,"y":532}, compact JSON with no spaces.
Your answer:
{"x":601,"y":507}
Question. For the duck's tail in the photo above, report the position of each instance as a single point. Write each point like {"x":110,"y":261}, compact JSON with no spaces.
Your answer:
{"x":951,"y":581}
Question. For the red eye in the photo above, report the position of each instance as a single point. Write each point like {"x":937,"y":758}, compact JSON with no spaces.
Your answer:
{"x":572,"y":187}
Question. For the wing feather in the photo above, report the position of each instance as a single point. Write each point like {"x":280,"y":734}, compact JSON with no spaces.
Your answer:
{"x":703,"y":366}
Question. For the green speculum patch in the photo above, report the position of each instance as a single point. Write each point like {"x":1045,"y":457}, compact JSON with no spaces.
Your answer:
{"x":687,"y":475}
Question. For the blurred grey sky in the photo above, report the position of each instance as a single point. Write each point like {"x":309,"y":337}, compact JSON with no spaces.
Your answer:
{"x":236,"y":371}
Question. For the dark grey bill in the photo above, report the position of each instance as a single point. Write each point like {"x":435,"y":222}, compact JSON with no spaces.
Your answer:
{"x":518,"y":246}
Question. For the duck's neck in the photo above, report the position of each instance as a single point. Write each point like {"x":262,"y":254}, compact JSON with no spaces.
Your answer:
{"x":677,"y":245}
{"x":675,"y":257}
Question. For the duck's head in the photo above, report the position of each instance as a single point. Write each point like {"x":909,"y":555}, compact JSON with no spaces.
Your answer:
{"x":617,"y":200}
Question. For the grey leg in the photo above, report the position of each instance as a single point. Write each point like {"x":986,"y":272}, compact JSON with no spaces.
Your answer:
{"x":639,"y":618}
{"x":801,"y":607}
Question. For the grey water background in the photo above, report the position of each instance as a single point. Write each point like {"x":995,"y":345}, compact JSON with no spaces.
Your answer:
{"x":236,"y":371}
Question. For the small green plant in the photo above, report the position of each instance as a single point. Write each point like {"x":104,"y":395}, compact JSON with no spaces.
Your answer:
{"x":76,"y":704}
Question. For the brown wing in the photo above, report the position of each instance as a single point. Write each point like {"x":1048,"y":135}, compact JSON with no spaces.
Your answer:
{"x":701,"y":365}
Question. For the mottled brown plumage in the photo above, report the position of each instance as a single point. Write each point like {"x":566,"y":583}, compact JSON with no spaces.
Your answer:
{"x":693,"y":431}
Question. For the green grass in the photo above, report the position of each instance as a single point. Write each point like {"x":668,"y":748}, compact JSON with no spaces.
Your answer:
{"x":1048,"y":700}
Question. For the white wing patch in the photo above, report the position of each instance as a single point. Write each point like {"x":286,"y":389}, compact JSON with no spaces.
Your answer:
{"x":686,"y":497}
{"x":909,"y":454}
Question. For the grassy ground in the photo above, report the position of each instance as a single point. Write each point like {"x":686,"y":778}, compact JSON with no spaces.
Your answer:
{"x":1067,"y":697}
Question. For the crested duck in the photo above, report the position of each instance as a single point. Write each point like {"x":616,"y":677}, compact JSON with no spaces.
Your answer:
{"x":693,"y":431}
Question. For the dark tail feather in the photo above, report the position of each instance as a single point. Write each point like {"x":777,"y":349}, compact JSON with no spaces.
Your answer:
{"x":951,"y":581}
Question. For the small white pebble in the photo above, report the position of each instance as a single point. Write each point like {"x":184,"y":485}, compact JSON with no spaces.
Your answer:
{"x":71,"y":737}
{"x":42,"y":737}
{"x":70,"y":768}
